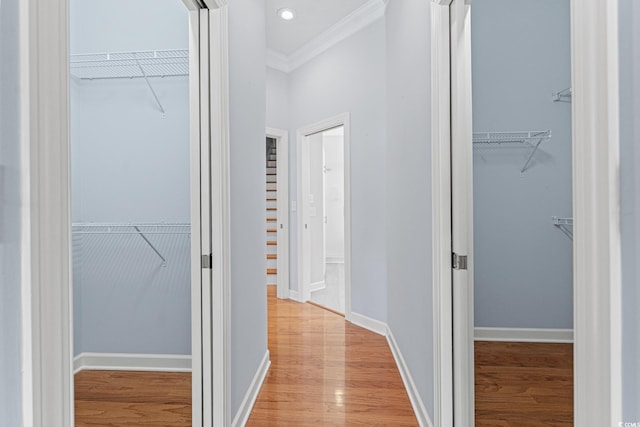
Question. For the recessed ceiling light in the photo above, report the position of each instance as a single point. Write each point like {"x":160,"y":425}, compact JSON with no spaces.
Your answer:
{"x":286,"y":13}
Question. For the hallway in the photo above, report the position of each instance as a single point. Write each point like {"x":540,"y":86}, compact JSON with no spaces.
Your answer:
{"x":325,"y":371}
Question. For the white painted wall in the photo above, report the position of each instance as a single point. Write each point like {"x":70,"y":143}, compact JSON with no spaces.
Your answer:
{"x":630,"y":200}
{"x":247,"y":118}
{"x":408,"y":189}
{"x":350,"y":77}
{"x":334,"y":196}
{"x":129,"y":164}
{"x":277,"y":99}
{"x":523,"y":264}
{"x":10,"y":340}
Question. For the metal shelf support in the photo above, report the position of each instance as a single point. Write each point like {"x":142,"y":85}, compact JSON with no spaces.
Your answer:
{"x":562,"y":96}
{"x":532,"y":138}
{"x":565,"y":225}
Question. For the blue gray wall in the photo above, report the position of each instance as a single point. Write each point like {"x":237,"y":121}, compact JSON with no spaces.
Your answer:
{"x":129,"y":164}
{"x":248,"y":263}
{"x":409,"y":200}
{"x":10,"y":342}
{"x":630,"y":201}
{"x":523,"y":264}
{"x":350,"y":77}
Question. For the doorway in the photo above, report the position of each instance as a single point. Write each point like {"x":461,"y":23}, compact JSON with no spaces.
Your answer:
{"x":323,"y":192}
{"x":148,"y":198}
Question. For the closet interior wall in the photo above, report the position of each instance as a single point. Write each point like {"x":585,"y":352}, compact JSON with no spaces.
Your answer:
{"x":523,"y":263}
{"x":130,"y":166}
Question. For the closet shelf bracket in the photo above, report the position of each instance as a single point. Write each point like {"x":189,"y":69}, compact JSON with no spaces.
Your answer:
{"x":153,"y":92}
{"x":164,"y":260}
{"x":565,"y":225}
{"x":562,"y":96}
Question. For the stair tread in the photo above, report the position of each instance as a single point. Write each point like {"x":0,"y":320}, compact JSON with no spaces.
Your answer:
{"x":272,"y":174}
{"x":271,"y":191}
{"x":272,"y":219}
{"x":272,"y":256}
{"x":272,"y":209}
{"x":272,"y":230}
{"x":272,"y":199}
{"x":272,"y":271}
{"x":272,"y":243}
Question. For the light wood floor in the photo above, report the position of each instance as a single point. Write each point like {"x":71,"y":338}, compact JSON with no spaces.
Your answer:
{"x":524,"y":384}
{"x":328,"y":372}
{"x":127,"y":398}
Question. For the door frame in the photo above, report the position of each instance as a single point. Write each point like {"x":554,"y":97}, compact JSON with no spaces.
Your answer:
{"x":301,"y":134}
{"x":46,"y":295}
{"x":282,"y":191}
{"x":596,"y":247}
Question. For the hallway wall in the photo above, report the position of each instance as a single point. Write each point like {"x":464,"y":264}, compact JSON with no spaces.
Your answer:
{"x":350,"y":77}
{"x":10,"y":332}
{"x":409,"y":200}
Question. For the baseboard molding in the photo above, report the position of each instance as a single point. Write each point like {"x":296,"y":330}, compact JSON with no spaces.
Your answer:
{"x":242,"y":416}
{"x":131,"y":362}
{"x":317,"y":286}
{"x":370,"y":324}
{"x":416,"y":401}
{"x":295,"y":295}
{"x":524,"y":335}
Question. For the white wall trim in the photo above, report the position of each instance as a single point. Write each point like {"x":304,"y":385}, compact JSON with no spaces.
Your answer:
{"x":370,"y":324}
{"x":295,"y":295}
{"x":334,"y":259}
{"x":46,"y":297}
{"x":131,"y":362}
{"x":524,"y":335}
{"x":596,"y":207}
{"x":414,"y":396}
{"x":242,"y":416}
{"x":441,"y":215}
{"x":283,"y":251}
{"x":346,"y":27}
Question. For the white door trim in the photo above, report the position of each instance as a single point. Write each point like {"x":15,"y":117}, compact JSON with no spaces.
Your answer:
{"x":332,"y":122}
{"x":441,"y":190}
{"x":282,"y":192}
{"x":47,"y":389}
{"x":597,"y":325}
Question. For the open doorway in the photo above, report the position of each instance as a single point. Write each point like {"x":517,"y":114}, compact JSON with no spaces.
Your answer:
{"x":323,"y":197}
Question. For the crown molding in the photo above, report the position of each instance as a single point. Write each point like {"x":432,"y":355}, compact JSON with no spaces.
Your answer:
{"x":346,"y":27}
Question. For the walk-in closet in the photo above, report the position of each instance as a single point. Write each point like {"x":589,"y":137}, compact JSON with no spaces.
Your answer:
{"x":130,"y":175}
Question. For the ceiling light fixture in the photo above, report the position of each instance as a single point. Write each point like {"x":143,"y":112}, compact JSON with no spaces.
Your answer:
{"x":286,"y":13}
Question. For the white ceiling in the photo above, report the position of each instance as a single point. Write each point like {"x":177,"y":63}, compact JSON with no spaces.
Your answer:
{"x":313,"y":17}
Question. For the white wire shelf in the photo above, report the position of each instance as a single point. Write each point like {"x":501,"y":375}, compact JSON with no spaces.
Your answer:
{"x":565,"y":225}
{"x":529,"y":138}
{"x":130,"y":65}
{"x":142,"y":230}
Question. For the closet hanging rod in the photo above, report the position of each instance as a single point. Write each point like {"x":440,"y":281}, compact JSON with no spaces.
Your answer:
{"x":532,"y":138}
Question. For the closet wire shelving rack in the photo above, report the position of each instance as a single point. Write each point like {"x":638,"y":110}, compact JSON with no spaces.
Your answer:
{"x":141,"y":229}
{"x":562,"y":96}
{"x":531,"y":138}
{"x":131,"y":65}
{"x":565,"y":225}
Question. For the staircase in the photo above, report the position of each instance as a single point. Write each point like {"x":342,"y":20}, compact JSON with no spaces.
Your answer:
{"x":272,"y":217}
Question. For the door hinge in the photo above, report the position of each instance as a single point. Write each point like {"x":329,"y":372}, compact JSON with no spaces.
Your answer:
{"x":459,"y":262}
{"x":207,"y":261}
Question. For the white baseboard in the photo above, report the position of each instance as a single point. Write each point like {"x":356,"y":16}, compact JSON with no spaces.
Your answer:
{"x":317,"y":286}
{"x":372,"y":325}
{"x":416,"y":401}
{"x":524,"y":335}
{"x":295,"y":295}
{"x":132,"y":362}
{"x":242,"y":416}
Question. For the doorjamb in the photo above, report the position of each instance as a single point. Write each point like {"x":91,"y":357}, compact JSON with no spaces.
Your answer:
{"x":597,"y":323}
{"x":332,"y":122}
{"x":47,"y":389}
{"x":282,"y":186}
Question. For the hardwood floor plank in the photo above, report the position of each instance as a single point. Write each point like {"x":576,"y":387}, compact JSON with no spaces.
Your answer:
{"x":523,"y":384}
{"x":327,"y":372}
